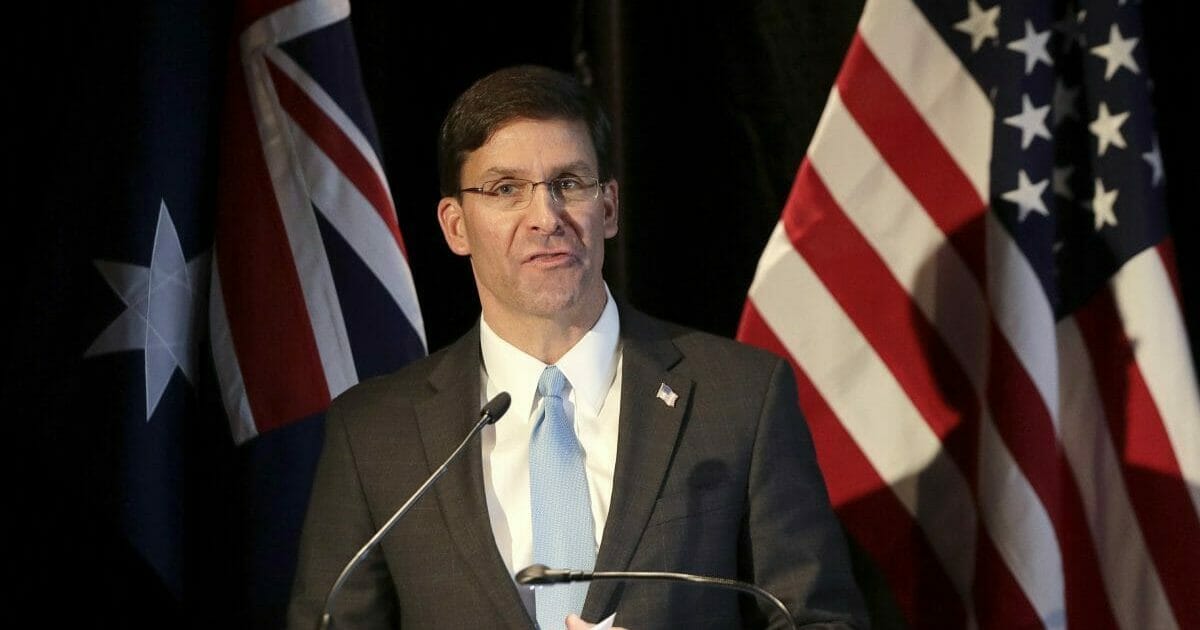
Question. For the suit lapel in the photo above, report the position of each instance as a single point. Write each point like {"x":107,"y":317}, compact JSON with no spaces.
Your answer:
{"x":648,"y":430}
{"x":444,"y":420}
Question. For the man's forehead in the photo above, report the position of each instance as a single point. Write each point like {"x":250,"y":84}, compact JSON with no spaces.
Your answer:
{"x":557,"y":143}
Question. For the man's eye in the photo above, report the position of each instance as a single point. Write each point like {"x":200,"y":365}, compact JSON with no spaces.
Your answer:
{"x":505,"y":188}
{"x":568,"y":183}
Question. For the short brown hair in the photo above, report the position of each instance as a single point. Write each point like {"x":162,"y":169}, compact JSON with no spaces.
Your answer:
{"x":533,"y":92}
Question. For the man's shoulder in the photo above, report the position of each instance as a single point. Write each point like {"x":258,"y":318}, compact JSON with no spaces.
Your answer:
{"x":693,"y":344}
{"x":411,"y":381}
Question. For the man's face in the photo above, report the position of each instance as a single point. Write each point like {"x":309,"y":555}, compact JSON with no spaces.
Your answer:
{"x":543,"y":260}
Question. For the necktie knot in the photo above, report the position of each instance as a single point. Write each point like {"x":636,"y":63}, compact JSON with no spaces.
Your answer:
{"x":552,"y":382}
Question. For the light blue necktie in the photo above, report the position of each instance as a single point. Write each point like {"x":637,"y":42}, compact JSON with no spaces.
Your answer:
{"x":563,"y":533}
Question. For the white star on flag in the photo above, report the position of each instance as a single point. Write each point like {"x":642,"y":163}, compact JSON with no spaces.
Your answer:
{"x":1033,"y":46}
{"x":1102,"y":205}
{"x":1107,"y":128}
{"x":1117,"y":52}
{"x":1027,"y":196}
{"x":980,"y":24}
{"x":1031,"y":121}
{"x":161,"y":317}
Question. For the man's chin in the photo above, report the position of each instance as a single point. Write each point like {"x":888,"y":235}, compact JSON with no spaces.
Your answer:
{"x":551,"y":306}
{"x":557,"y":302}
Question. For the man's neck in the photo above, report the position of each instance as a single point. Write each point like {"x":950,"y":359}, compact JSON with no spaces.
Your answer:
{"x":544,"y":338}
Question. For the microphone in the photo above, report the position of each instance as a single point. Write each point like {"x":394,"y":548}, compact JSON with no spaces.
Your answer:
{"x":541,"y":575}
{"x":489,"y":414}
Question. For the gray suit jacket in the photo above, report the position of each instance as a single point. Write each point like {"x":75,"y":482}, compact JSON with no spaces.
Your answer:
{"x":725,"y":483}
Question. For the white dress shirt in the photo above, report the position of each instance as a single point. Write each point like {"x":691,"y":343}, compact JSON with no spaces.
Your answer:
{"x":592,"y":399}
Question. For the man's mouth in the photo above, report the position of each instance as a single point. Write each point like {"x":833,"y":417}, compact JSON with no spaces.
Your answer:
{"x":550,"y":258}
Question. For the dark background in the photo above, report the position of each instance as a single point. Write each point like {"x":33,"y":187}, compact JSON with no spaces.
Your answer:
{"x":713,"y":102}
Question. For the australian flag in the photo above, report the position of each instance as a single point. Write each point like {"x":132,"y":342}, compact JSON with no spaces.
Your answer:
{"x":223,"y":239}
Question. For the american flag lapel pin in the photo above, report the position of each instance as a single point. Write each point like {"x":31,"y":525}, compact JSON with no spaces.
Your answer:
{"x":667,"y":395}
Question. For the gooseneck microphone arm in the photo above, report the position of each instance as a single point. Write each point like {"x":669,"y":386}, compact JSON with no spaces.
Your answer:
{"x":489,"y":414}
{"x":540,"y":574}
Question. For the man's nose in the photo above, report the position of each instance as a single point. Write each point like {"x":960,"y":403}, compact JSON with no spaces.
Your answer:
{"x":545,"y":211}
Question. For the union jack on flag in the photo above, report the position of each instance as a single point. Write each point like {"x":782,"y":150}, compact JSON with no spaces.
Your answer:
{"x":311,"y":291}
{"x":974,"y":280}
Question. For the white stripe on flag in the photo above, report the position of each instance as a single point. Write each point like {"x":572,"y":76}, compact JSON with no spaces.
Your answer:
{"x":1130,"y":578}
{"x":936,"y":84}
{"x":1022,"y":312}
{"x":862,"y":393}
{"x":360,"y":225}
{"x":907,"y":240}
{"x":229,"y":372}
{"x":1021,"y":528}
{"x":1142,"y":291}
{"x":331,"y":110}
{"x":359,"y":222}
{"x":904,"y":236}
{"x":304,"y":236}
{"x":290,"y":22}
{"x":961,"y":116}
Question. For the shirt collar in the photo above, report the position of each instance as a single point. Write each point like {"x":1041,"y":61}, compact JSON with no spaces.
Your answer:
{"x":590,"y":365}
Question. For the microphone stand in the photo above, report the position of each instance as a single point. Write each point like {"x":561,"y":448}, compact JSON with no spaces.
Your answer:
{"x":538,"y":574}
{"x":490,"y":413}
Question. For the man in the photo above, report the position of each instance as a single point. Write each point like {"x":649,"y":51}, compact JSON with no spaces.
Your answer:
{"x":630,"y":444}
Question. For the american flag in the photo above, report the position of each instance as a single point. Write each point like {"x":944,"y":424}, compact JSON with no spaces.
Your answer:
{"x":311,"y":291}
{"x":974,"y":281}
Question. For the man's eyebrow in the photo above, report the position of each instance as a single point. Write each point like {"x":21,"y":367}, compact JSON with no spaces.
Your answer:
{"x":502,"y":171}
{"x":579,"y":167}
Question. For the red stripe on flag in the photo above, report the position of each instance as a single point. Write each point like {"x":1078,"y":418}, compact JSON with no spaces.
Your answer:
{"x":862,"y":499}
{"x":1028,"y":430}
{"x":264,"y":304}
{"x":914,"y":153}
{"x":1152,"y":474}
{"x":883,"y":311}
{"x":1000,"y":604}
{"x":910,"y":346}
{"x":1166,"y":251}
{"x":329,"y":137}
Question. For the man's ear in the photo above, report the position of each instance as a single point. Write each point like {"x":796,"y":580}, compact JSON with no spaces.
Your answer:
{"x":454,"y":228}
{"x":611,"y":199}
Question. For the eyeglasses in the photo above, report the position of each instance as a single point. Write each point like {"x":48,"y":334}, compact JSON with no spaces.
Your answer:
{"x":515,"y":194}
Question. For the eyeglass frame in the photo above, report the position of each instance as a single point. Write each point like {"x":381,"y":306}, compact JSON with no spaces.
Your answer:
{"x":555,"y":193}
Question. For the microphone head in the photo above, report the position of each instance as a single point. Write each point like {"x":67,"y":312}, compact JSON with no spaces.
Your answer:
{"x":533,"y":575}
{"x":496,"y":407}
